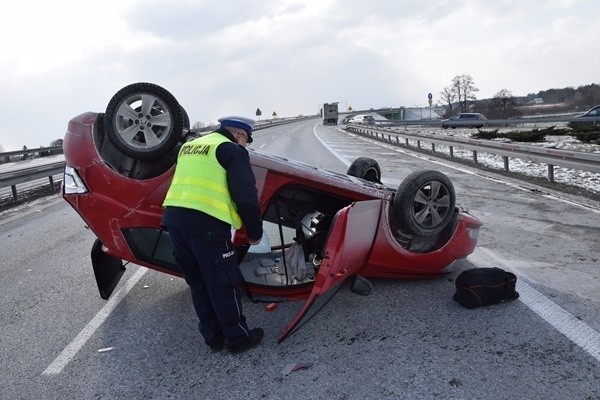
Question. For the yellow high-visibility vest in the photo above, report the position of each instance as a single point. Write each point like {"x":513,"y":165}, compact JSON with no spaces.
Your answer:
{"x":200,"y":182}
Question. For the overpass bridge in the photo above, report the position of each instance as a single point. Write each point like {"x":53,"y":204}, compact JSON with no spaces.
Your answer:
{"x":402,"y":113}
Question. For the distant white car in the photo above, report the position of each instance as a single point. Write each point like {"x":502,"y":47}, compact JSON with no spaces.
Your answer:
{"x":362,"y":120}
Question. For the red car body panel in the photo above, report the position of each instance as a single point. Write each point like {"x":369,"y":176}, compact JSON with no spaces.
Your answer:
{"x":383,"y":262}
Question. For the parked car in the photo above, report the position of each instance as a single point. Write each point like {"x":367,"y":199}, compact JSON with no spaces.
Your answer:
{"x":464,"y":120}
{"x":362,"y":120}
{"x":592,"y":112}
{"x":342,"y":227}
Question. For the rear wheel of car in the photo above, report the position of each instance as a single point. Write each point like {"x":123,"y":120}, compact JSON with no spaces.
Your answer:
{"x":144,"y":121}
{"x":424,"y":203}
{"x":365,"y":168}
{"x":186,"y":119}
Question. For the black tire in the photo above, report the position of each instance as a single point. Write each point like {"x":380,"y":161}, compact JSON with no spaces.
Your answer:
{"x":424,"y":203}
{"x":365,"y":168}
{"x":144,"y":121}
{"x":186,"y":119}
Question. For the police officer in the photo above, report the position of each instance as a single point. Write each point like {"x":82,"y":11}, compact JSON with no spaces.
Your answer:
{"x":214,"y":189}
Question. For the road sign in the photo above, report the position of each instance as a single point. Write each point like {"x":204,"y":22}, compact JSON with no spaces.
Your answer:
{"x":430,"y":96}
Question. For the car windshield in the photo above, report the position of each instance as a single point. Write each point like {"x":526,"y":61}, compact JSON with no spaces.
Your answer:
{"x":593,"y":112}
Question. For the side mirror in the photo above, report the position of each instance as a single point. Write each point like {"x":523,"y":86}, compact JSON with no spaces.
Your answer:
{"x":360,"y":286}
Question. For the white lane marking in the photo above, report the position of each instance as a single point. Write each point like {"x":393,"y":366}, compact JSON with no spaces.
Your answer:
{"x":574,"y":329}
{"x":328,"y":147}
{"x":81,"y":339}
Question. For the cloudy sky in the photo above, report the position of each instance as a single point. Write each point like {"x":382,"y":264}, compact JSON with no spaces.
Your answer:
{"x":64,"y":57}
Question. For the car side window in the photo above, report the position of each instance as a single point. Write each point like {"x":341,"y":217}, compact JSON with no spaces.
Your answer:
{"x":151,"y":245}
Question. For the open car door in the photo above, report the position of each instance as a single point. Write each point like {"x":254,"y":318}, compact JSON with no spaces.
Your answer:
{"x":346,"y":250}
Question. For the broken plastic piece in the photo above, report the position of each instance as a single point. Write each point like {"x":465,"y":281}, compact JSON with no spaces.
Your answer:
{"x":295,"y":367}
{"x":271,"y":307}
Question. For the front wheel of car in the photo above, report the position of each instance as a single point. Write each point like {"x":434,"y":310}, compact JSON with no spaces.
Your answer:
{"x":424,"y":203}
{"x":365,"y":168}
{"x":144,"y":121}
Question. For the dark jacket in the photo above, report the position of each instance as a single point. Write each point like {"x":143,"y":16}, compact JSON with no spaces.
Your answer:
{"x":242,"y":187}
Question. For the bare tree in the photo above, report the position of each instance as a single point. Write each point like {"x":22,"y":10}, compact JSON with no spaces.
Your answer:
{"x":503,"y":105}
{"x":448,"y":96}
{"x":586,"y":96}
{"x":464,"y":87}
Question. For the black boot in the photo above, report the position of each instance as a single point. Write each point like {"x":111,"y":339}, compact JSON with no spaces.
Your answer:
{"x":254,"y":338}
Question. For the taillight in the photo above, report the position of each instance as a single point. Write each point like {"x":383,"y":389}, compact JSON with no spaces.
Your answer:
{"x":72,"y":183}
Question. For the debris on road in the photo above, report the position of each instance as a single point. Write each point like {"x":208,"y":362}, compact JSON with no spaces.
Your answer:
{"x":295,"y":367}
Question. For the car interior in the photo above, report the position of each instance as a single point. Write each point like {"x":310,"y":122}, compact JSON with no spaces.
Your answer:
{"x":296,"y":224}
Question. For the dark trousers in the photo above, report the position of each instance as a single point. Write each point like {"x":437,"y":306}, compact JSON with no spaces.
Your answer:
{"x":210,"y":269}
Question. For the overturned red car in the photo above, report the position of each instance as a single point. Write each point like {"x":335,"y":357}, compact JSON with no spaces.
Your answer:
{"x":321,"y":228}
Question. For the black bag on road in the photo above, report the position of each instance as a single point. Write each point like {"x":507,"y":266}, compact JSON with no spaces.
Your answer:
{"x":480,"y":287}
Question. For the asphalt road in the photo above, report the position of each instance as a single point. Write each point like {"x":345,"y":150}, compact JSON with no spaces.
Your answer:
{"x":407,"y":340}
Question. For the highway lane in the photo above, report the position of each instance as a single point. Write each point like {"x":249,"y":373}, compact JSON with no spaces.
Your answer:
{"x":408,"y":339}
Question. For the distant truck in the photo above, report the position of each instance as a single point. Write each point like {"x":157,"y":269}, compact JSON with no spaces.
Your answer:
{"x":330,"y":113}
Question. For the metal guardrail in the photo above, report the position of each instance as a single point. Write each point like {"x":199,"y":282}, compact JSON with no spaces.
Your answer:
{"x":16,"y":177}
{"x":263,"y":124}
{"x":488,"y":123}
{"x":40,"y":151}
{"x":552,"y":157}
